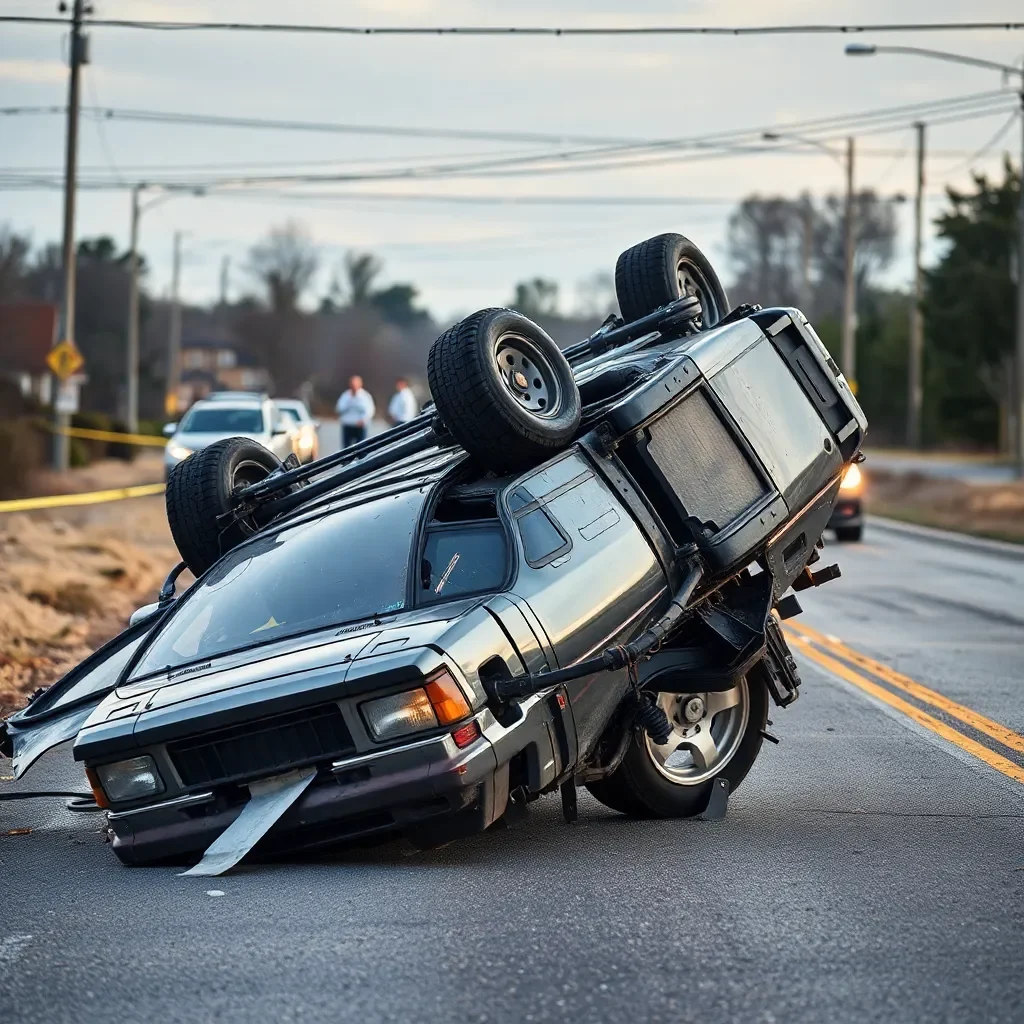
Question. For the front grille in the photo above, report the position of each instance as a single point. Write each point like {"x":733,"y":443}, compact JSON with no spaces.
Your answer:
{"x":262,"y":748}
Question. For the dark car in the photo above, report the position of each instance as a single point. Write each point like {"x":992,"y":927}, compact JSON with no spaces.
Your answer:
{"x":848,"y":515}
{"x":562,"y":575}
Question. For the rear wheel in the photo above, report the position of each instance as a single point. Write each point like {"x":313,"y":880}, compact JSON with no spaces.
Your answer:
{"x":200,"y":491}
{"x":714,"y":735}
{"x":503,"y":389}
{"x":663,"y":269}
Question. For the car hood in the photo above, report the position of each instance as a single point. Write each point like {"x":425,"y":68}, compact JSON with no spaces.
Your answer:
{"x":201,"y":440}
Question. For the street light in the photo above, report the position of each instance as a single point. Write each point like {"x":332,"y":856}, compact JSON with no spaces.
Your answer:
{"x":132,"y":368}
{"x":848,"y":357}
{"x":1007,"y":70}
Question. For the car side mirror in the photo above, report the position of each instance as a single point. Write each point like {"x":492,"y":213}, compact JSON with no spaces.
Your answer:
{"x":147,"y":611}
{"x":169,"y":429}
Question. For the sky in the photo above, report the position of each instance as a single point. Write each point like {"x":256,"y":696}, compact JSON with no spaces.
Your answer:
{"x":464,"y":255}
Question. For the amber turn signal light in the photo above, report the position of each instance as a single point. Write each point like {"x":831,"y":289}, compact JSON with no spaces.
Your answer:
{"x":446,"y":698}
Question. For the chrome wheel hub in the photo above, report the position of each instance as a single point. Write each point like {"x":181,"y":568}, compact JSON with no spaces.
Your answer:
{"x":707,"y":729}
{"x":691,"y":282}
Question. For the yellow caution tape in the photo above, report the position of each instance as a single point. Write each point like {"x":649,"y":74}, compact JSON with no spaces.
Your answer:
{"x":108,"y":435}
{"x":86,"y":498}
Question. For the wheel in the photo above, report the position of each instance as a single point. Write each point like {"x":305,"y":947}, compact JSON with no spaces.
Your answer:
{"x":663,"y":269}
{"x":849,"y":534}
{"x":713,"y":735}
{"x":199,"y":491}
{"x":503,"y":389}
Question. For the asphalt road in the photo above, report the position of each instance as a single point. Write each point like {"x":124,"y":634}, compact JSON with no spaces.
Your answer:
{"x":869,"y":868}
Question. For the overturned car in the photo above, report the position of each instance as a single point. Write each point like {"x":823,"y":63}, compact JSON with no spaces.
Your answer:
{"x":568,"y":572}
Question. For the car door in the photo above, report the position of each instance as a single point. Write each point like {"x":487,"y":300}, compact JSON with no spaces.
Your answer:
{"x":587,"y":573}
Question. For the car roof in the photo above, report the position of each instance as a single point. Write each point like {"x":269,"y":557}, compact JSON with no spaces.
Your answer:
{"x":234,"y":403}
{"x":233,"y":396}
{"x":292,"y":403}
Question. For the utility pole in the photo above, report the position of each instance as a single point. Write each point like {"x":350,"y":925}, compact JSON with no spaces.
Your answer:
{"x":132,"y":367}
{"x":849,"y":344}
{"x":225,"y":270}
{"x":174,"y":333}
{"x":915,"y":357}
{"x":76,"y":57}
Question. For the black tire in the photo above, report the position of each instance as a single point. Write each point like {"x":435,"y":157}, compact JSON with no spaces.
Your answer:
{"x":663,"y":269}
{"x":199,"y":492}
{"x":503,"y":425}
{"x":849,"y":534}
{"x":636,"y":788}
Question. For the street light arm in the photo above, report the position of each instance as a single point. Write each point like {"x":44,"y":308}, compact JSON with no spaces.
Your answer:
{"x":855,"y":49}
{"x":804,"y":141}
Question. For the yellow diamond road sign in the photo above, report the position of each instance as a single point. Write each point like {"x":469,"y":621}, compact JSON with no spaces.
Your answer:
{"x":65,"y":359}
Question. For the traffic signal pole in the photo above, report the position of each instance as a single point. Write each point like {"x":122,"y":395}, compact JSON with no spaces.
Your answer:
{"x":61,"y":446}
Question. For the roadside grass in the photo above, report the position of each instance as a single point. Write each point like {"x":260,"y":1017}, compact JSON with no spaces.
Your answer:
{"x":994,"y":511}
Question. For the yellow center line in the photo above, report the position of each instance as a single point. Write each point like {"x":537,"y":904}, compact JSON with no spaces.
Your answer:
{"x":1000,"y":733}
{"x":994,"y":760}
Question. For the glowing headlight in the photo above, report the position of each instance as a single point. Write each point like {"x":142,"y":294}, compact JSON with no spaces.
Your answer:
{"x":306,"y":441}
{"x":130,"y":780}
{"x":852,"y":478}
{"x":178,"y":451}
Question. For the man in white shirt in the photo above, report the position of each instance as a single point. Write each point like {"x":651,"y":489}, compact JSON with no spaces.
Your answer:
{"x":355,"y":409}
{"x":403,"y":405}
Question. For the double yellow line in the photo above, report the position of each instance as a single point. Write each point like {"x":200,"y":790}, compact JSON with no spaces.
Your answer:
{"x":834,"y":656}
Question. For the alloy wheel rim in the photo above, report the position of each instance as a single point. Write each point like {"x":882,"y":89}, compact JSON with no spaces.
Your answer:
{"x":691,"y":281}
{"x":528,"y":375}
{"x":707,"y":730}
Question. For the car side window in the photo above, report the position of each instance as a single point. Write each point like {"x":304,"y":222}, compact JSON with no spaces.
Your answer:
{"x":461,"y":559}
{"x":543,"y":539}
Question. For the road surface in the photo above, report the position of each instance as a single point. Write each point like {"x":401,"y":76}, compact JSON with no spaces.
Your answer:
{"x":871,"y":868}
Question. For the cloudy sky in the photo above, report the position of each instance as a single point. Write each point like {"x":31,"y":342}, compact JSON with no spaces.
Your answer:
{"x":467,"y":255}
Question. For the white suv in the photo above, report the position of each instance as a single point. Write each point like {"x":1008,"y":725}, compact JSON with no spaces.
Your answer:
{"x":227,"y":415}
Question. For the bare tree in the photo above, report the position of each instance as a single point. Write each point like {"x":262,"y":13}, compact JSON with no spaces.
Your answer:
{"x":361,"y":270}
{"x":285,"y":263}
{"x":536,"y":298}
{"x":765,"y":244}
{"x":14,"y":252}
{"x":595,"y":295}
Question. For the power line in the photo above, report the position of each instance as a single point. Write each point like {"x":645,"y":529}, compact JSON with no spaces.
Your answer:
{"x":527,"y":30}
{"x":977,"y":154}
{"x":615,"y":157}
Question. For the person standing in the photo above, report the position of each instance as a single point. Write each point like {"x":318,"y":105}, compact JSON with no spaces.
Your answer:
{"x":403,"y":405}
{"x":355,"y":409}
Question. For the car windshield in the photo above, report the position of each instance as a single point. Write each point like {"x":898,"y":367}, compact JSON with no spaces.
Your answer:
{"x":344,"y":566}
{"x":220,"y":420}
{"x":291,"y":413}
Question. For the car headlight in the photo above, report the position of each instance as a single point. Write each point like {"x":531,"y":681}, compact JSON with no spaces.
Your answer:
{"x":439,"y":702}
{"x":178,"y":451}
{"x":852,"y":478}
{"x":131,"y":779}
{"x":306,"y":441}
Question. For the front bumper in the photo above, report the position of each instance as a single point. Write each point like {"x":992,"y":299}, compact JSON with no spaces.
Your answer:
{"x":416,"y":787}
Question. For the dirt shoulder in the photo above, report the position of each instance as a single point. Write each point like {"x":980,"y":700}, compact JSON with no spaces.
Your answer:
{"x":70,"y":578}
{"x":984,"y":510}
